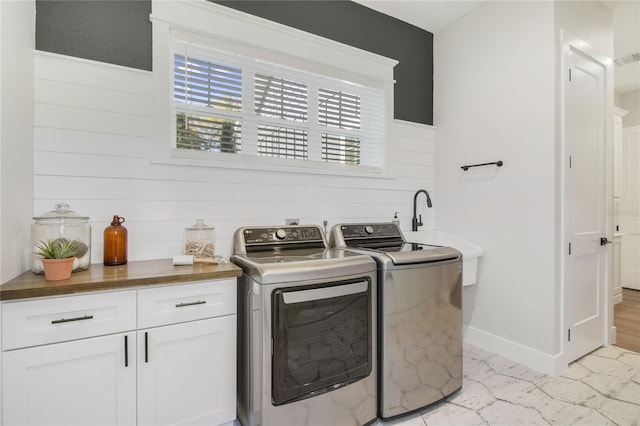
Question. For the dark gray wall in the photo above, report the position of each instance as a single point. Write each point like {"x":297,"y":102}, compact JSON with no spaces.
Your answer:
{"x":119,"y":32}
{"x":353,"y":24}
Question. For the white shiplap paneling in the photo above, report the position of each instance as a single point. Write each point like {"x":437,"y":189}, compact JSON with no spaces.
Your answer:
{"x":92,"y":143}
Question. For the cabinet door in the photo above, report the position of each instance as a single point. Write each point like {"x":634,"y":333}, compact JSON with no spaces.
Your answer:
{"x":83,"y":382}
{"x":187,"y":373}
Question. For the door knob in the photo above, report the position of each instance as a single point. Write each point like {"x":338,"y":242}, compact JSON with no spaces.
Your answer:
{"x":604,"y":241}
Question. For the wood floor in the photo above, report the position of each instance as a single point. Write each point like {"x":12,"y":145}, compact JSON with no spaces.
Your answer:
{"x":626,"y":318}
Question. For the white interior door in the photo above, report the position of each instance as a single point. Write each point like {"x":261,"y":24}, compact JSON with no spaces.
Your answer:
{"x":585,"y":205}
{"x":630,"y":212}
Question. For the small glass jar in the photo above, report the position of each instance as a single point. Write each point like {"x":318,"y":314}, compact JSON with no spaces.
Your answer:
{"x":62,"y":223}
{"x":200,"y":241}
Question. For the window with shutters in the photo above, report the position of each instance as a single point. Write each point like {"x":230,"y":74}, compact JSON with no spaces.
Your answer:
{"x":230,"y":105}
{"x":236,"y":91}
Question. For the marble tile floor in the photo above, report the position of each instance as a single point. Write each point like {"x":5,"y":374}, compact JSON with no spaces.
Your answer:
{"x":602,"y":388}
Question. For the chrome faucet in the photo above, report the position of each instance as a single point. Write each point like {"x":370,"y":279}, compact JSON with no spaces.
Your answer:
{"x":418,"y":222}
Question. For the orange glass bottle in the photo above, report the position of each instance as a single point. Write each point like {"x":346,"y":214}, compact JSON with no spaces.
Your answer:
{"x":115,"y":243}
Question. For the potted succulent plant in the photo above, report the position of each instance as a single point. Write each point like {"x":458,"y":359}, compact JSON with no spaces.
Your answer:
{"x":58,"y":256}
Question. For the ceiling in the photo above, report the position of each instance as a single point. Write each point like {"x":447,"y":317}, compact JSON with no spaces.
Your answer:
{"x":433,"y":15}
{"x":430,"y":15}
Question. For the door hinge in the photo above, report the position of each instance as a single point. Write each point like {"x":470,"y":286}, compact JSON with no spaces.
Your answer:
{"x":570,"y":161}
{"x":569,"y":74}
{"x":569,"y":335}
{"x":569,"y":249}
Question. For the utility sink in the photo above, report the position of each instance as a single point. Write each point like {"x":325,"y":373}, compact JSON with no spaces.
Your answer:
{"x":470,"y":252}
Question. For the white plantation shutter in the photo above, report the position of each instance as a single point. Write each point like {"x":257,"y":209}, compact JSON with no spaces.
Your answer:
{"x":200,"y":82}
{"x":339,"y":109}
{"x":372,"y":129}
{"x":282,"y":142}
{"x":208,"y":133}
{"x":340,"y":149}
{"x":203,"y":92}
{"x":285,"y":101}
{"x":280,"y":98}
{"x":235,"y":105}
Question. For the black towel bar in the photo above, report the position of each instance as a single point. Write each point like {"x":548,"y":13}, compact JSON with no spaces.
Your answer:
{"x":497,"y":163}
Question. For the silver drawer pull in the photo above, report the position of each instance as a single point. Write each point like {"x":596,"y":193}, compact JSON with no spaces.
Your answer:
{"x":182,"y":305}
{"x":86,"y":317}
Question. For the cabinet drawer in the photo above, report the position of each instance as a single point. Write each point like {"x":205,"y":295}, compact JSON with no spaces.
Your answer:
{"x":186,"y":302}
{"x":42,"y":321}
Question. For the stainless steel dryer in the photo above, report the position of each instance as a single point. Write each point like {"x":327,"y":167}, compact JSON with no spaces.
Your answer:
{"x":419,"y":316}
{"x":306,"y":330}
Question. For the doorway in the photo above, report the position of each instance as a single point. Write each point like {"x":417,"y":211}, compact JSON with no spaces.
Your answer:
{"x":630,"y":208}
{"x":627,"y":231}
{"x":586,"y":311}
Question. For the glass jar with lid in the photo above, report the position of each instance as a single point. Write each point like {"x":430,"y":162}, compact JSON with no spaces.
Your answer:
{"x":62,"y":223}
{"x":200,"y":240}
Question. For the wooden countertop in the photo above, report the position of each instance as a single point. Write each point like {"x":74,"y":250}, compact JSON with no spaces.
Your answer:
{"x":99,"y":277}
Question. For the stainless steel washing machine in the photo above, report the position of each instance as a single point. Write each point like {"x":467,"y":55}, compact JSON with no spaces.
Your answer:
{"x":306,"y":330}
{"x":419,"y":316}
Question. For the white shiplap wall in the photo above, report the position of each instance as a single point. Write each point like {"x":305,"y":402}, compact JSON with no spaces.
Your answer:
{"x":92,"y":144}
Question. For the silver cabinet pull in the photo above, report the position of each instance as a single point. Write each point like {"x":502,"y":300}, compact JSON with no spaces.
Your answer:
{"x":61,"y":320}
{"x":182,"y":305}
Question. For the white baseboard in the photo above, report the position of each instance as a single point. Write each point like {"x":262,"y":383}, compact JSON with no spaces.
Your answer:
{"x":613,"y":335}
{"x":529,"y":357}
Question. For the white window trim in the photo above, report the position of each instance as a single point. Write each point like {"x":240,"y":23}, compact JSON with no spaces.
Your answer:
{"x":247,"y":35}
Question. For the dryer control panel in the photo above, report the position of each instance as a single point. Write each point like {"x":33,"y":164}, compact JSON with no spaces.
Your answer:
{"x":277,"y":239}
{"x":278,"y":235}
{"x":370,"y":230}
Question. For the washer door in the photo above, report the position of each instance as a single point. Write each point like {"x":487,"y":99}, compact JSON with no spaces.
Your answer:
{"x":322,"y":338}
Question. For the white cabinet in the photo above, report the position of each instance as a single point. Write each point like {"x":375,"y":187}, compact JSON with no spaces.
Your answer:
{"x":187,"y":370}
{"x":153,"y":356}
{"x":173,"y":304}
{"x":83,"y":382}
{"x":170,"y":390}
{"x":49,"y":320}
{"x":54,"y":371}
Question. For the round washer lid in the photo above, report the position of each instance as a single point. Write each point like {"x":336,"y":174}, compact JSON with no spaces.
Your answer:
{"x":413,"y":253}
{"x":334,"y":264}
